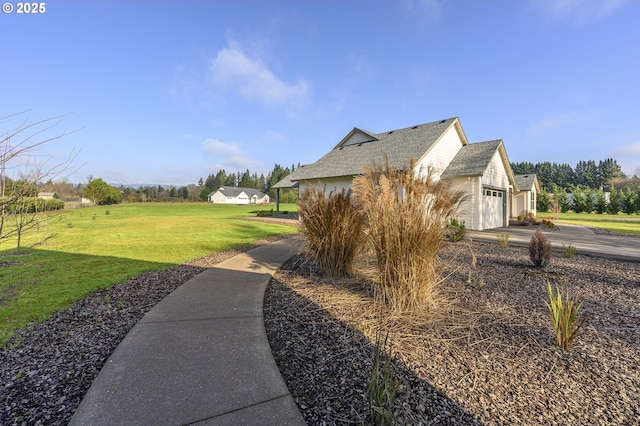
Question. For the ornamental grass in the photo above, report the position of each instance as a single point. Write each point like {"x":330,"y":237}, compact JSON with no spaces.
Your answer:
{"x":332,"y":228}
{"x":406,"y":216}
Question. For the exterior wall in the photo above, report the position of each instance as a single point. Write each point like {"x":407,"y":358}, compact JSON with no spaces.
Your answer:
{"x":218,"y":198}
{"x":468,"y":211}
{"x":356,"y":138}
{"x":525,"y":202}
{"x":495,"y":177}
{"x":333,"y":184}
{"x":442,"y":153}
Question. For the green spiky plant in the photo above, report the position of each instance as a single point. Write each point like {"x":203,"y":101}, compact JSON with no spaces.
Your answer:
{"x":384,"y":385}
{"x":564,"y":316}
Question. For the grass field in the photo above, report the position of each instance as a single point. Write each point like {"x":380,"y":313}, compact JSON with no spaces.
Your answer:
{"x":620,"y":223}
{"x":87,"y":249}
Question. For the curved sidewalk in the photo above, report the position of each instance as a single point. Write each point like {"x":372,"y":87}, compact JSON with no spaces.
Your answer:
{"x":583,"y":239}
{"x":201,"y":356}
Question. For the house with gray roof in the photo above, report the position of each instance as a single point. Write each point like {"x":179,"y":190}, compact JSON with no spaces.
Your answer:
{"x":237,"y":195}
{"x":481,"y":169}
{"x":524,"y":201}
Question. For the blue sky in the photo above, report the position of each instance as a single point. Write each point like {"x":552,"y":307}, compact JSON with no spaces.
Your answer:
{"x":167,"y":92}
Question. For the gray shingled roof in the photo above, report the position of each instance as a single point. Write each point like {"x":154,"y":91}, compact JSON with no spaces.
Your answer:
{"x":472,"y":159}
{"x":288,"y":180}
{"x":399,"y":145}
{"x":525,"y":182}
{"x":232,"y":191}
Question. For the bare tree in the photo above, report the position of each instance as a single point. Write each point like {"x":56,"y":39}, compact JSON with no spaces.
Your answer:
{"x":21,"y":170}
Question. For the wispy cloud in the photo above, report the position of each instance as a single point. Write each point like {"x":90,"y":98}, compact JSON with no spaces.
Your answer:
{"x":629,"y":157}
{"x":577,"y":11}
{"x":228,"y":155}
{"x":429,"y":8}
{"x":552,"y":123}
{"x":233,"y":69}
{"x":272,"y":136}
{"x":630,"y":149}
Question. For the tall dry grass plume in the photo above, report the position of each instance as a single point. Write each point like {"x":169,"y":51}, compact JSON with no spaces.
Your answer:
{"x":407,"y":213}
{"x":332,"y":228}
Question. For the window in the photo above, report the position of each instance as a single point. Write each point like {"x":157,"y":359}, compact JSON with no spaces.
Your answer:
{"x":532,"y":202}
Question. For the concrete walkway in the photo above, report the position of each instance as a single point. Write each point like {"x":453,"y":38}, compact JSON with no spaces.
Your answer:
{"x":201,"y":356}
{"x":583,"y":239}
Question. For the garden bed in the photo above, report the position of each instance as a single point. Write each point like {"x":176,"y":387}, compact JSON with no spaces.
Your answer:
{"x":489,"y":357}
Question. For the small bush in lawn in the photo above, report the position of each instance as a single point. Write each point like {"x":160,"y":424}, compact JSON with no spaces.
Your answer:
{"x":406,"y":214}
{"x":568,"y":250}
{"x":503,"y":240}
{"x":539,"y":249}
{"x":564,"y":316}
{"x":456,"y":230}
{"x":332,"y":228}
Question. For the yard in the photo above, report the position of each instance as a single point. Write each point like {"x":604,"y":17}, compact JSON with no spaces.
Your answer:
{"x":620,"y":223}
{"x":87,"y":249}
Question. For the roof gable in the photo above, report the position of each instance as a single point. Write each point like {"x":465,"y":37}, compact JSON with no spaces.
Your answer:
{"x":474,"y":159}
{"x":349,"y":157}
{"x":528,"y":181}
{"x":234,"y":191}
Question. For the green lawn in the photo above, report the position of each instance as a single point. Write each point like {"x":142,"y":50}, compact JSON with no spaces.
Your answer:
{"x":84,"y":250}
{"x":621,"y":223}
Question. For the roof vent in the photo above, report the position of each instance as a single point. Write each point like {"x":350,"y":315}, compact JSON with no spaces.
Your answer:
{"x":443,"y":121}
{"x":414,"y":127}
{"x":391,"y":132}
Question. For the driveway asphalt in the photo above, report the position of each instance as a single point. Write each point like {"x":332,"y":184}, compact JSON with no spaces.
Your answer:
{"x":201,"y":356}
{"x":583,"y":239}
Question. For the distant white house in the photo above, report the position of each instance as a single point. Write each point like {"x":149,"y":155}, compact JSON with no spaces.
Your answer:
{"x":524,"y":200}
{"x":47,"y":195}
{"x":237,"y":195}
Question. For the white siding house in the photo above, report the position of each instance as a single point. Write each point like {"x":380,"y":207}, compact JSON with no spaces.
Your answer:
{"x":524,"y":201}
{"x":236,"y":195}
{"x":482,"y":170}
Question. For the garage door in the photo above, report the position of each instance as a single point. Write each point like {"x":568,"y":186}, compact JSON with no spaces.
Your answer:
{"x":493,"y":208}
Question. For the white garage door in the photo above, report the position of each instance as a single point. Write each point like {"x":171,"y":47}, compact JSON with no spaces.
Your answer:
{"x":493,"y":208}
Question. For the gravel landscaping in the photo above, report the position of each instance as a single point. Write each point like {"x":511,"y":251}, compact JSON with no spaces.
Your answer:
{"x":488,"y":358}
{"x":48,"y":368}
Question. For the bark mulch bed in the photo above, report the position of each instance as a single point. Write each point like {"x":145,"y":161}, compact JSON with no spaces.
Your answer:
{"x":489,"y":357}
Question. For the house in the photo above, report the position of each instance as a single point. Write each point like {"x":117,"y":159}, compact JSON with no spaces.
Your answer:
{"x":525,"y":200}
{"x":482,"y":170}
{"x":237,"y":195}
{"x":47,"y":195}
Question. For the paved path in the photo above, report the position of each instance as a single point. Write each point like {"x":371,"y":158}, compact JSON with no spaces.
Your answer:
{"x":201,"y":356}
{"x":583,"y":239}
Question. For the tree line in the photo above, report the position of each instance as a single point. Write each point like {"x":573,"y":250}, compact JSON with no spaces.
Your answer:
{"x":588,"y":187}
{"x":588,"y":174}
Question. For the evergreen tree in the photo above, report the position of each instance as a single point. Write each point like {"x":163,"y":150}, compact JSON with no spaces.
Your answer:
{"x":543,"y":201}
{"x":614,"y":201}
{"x":609,"y":170}
{"x":587,"y":174}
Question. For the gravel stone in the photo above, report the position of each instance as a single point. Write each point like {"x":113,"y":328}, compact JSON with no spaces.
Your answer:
{"x":493,"y":362}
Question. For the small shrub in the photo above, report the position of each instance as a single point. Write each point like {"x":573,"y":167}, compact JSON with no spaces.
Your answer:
{"x":551,"y":225}
{"x":564,"y":316}
{"x":384,"y":385}
{"x":539,"y":249}
{"x":503,"y":240}
{"x":568,"y":250}
{"x":474,"y":282}
{"x":456,"y":230}
{"x":107,"y":213}
{"x":332,"y":229}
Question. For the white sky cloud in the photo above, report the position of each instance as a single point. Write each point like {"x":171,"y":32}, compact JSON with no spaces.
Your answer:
{"x":578,"y":11}
{"x":630,"y":149}
{"x":253,"y":79}
{"x":229,"y":156}
{"x":555,"y":122}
